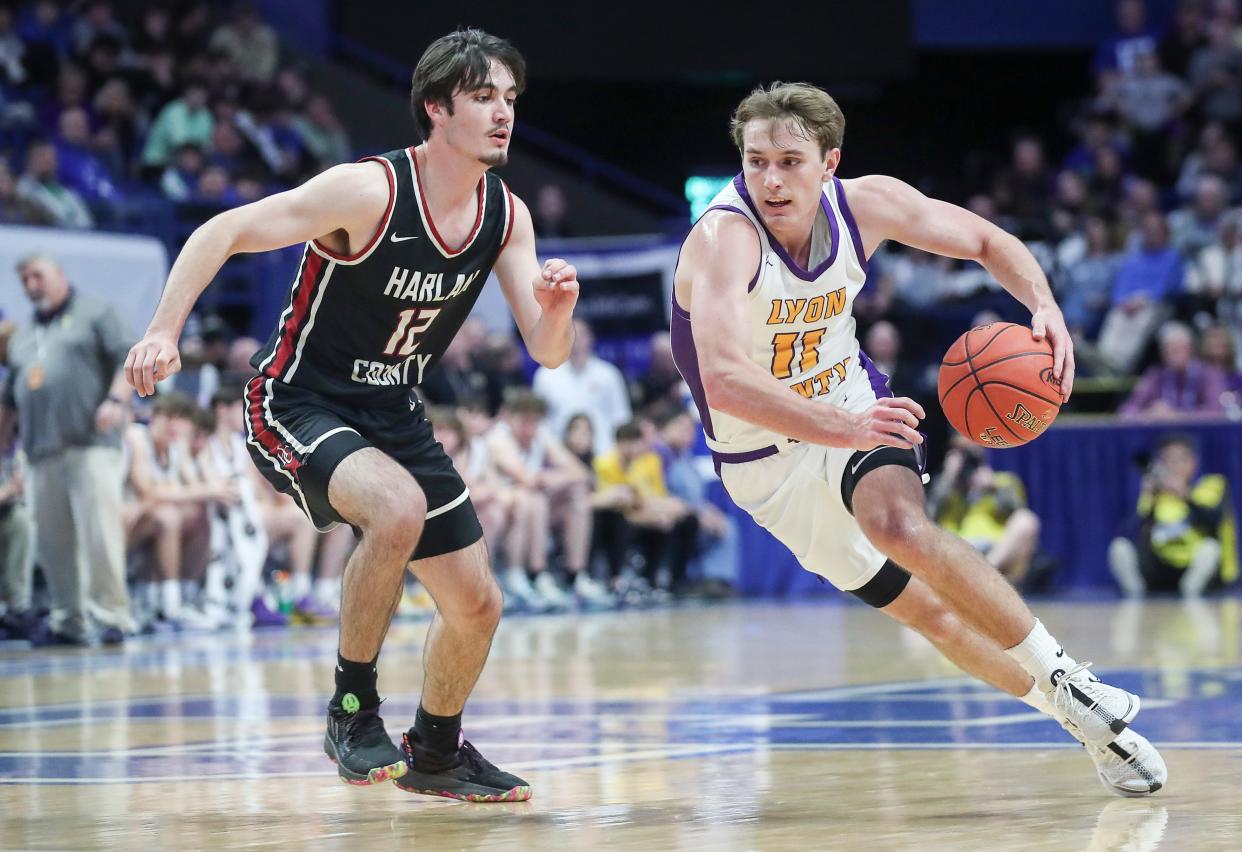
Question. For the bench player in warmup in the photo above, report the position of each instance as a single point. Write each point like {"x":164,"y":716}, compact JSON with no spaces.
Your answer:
{"x":397,"y":248}
{"x":809,"y":439}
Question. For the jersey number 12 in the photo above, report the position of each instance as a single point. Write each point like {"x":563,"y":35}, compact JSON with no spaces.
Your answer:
{"x":413,"y":323}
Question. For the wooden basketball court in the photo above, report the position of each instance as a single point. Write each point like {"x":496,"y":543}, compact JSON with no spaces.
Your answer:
{"x":742,"y":726}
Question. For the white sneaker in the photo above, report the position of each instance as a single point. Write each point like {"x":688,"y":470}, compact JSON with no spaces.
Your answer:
{"x":517,"y":586}
{"x":591,"y":592}
{"x":1100,"y":712}
{"x":1128,"y":766}
{"x":547,"y":588}
{"x":193,"y":618}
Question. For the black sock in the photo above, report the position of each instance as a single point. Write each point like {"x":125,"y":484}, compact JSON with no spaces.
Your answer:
{"x":358,"y":680}
{"x":437,"y":734}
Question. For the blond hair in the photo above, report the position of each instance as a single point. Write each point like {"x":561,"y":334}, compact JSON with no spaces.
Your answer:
{"x":811,"y":110}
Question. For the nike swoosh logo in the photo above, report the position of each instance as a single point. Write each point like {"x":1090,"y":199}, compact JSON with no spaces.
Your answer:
{"x":854,"y":469}
{"x":394,"y":238}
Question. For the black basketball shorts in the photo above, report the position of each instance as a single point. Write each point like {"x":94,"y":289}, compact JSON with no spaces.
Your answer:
{"x":297,"y":438}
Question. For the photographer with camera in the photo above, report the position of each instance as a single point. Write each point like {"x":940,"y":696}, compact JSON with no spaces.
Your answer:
{"x":1185,"y":531}
{"x":987,"y":508}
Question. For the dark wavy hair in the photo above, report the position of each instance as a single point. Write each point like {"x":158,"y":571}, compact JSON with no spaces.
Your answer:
{"x":459,"y":62}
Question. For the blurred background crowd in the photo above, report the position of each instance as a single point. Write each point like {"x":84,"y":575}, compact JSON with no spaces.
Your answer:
{"x":591,"y":480}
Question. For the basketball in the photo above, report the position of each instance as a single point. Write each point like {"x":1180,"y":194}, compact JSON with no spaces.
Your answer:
{"x":996,"y":385}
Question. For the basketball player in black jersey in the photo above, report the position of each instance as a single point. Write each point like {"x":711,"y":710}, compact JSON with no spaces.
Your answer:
{"x":397,"y":249}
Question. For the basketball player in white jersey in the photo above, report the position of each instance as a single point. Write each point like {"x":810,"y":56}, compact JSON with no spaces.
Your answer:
{"x":807,"y":436}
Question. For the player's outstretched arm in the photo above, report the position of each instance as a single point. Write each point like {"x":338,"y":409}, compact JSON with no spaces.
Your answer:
{"x":720,"y":256}
{"x":542,"y":298}
{"x":890,"y":209}
{"x":350,"y":198}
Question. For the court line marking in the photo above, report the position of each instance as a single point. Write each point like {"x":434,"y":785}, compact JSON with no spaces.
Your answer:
{"x":600,"y":760}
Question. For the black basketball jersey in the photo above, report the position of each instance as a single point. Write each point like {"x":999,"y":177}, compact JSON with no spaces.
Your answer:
{"x":368,"y":327}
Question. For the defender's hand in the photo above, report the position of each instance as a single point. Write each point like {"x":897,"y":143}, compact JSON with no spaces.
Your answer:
{"x":1048,"y":322}
{"x":891,"y":422}
{"x":153,"y":359}
{"x":556,"y":288}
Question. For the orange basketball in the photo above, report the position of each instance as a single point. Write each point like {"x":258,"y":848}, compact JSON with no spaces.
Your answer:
{"x":996,"y":385}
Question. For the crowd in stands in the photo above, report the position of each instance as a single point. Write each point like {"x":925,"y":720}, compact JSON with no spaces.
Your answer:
{"x":1136,"y":222}
{"x":589,"y":484}
{"x":189,"y":102}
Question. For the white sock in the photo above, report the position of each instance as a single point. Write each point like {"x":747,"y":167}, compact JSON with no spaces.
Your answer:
{"x":300,"y":585}
{"x":1042,"y":657}
{"x":170,"y":598}
{"x":328,"y":590}
{"x":189,"y":590}
{"x":1036,"y":699}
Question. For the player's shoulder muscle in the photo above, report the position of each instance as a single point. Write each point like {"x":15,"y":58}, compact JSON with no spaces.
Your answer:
{"x":353,"y":187}
{"x":879,"y":196}
{"x":722,"y":245}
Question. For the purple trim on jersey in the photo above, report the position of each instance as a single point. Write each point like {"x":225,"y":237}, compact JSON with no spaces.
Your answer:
{"x":879,"y":381}
{"x":755,"y":279}
{"x":851,"y":225}
{"x":748,"y":456}
{"x":687,"y":360}
{"x":806,"y":275}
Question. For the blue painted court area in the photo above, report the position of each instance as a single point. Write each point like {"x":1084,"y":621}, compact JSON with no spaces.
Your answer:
{"x":279,"y":735}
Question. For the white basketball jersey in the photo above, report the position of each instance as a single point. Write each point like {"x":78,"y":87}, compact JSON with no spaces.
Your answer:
{"x":801,"y":320}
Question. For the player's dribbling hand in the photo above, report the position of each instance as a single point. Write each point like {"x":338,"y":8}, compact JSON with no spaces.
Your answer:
{"x":1048,"y":322}
{"x":556,"y":288}
{"x":153,"y":359}
{"x":891,"y":422}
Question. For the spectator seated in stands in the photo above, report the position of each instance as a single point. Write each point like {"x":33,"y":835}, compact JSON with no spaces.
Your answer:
{"x":1215,"y":276}
{"x":665,"y":529}
{"x":16,"y":529}
{"x":14,"y":210}
{"x":714,"y":567}
{"x":263,"y":518}
{"x":455,"y":378}
{"x":1185,"y":537}
{"x":48,"y":199}
{"x":549,"y":214}
{"x":987,"y":508}
{"x":325,"y":137}
{"x":1215,"y":71}
{"x":585,"y":384}
{"x":495,"y":503}
{"x":1218,"y":349}
{"x":1086,"y":285}
{"x":16,"y":551}
{"x":79,"y":165}
{"x":179,"y":182}
{"x":1149,"y":101}
{"x":249,"y":43}
{"x":239,"y":539}
{"x":662,"y":384}
{"x":1195,"y":227}
{"x":1147,"y":277}
{"x":556,"y":487}
{"x":186,"y":119}
{"x":1117,"y":55}
{"x":1180,"y":385}
{"x":1023,"y":190}
{"x":612,"y":539}
{"x":199,"y":376}
{"x":166,"y":511}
